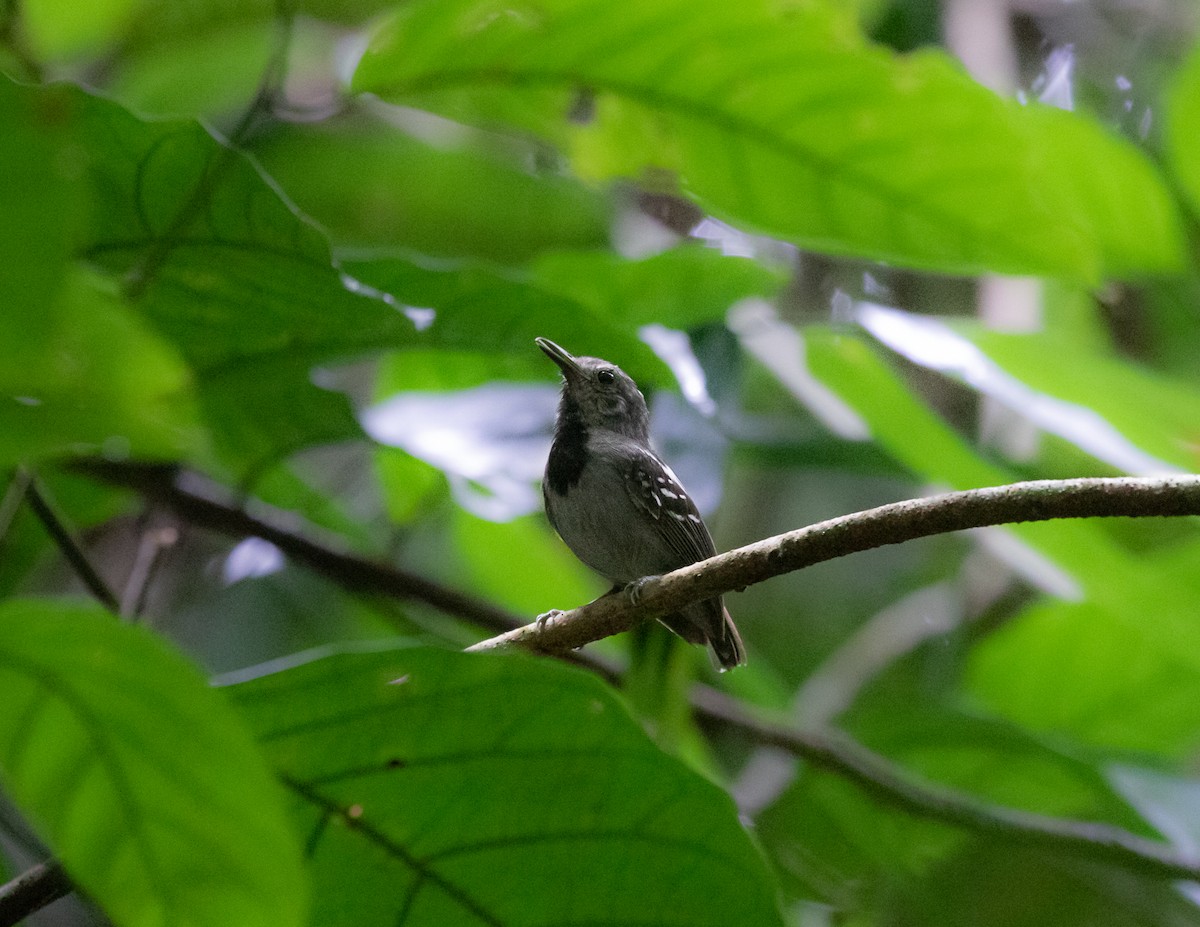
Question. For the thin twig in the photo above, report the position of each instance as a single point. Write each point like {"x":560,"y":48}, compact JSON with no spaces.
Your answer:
{"x":154,"y":541}
{"x":69,"y":545}
{"x":1040,"y":500}
{"x":31,"y":891}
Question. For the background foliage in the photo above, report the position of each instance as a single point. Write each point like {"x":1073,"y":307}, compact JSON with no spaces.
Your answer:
{"x":302,"y":252}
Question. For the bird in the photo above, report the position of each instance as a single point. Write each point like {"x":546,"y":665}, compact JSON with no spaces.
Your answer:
{"x":617,"y":505}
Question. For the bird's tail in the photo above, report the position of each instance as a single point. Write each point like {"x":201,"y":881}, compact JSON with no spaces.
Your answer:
{"x":726,"y":645}
{"x":709,"y":623}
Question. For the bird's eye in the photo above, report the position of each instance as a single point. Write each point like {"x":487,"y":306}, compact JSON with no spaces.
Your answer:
{"x":606,"y":377}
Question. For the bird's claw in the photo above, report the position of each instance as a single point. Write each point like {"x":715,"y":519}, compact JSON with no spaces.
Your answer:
{"x":546,"y":616}
{"x":635,"y":589}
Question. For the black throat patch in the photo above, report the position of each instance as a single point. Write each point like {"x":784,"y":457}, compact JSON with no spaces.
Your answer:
{"x":568,"y":453}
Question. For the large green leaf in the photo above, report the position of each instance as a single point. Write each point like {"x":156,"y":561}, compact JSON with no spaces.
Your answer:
{"x":372,"y":185}
{"x":443,"y":789}
{"x":782,"y":118}
{"x":226,"y":270}
{"x":1079,"y":670}
{"x":139,"y":776}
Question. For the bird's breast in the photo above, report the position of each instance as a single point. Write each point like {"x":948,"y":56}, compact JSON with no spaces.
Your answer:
{"x":598,"y":521}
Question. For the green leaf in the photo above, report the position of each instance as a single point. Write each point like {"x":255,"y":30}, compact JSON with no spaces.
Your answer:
{"x":1089,"y":673}
{"x":680,"y":288}
{"x":1183,"y":127}
{"x":139,"y":775}
{"x":442,"y":788}
{"x":782,"y":118}
{"x":94,"y":380}
{"x":480,"y":309}
{"x":1128,"y":417}
{"x":42,"y":201}
{"x":843,"y":844}
{"x":371,"y":185}
{"x":228,"y":272}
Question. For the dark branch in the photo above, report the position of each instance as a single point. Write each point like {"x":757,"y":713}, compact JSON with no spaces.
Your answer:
{"x":31,"y":891}
{"x":72,"y":550}
{"x":199,"y":502}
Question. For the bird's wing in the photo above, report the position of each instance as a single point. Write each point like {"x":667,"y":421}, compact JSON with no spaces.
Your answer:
{"x":657,"y":492}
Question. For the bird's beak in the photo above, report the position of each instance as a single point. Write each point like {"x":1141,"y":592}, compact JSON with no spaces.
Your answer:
{"x":566,"y":363}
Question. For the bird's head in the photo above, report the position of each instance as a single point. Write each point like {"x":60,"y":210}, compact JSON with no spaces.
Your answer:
{"x":602,"y":395}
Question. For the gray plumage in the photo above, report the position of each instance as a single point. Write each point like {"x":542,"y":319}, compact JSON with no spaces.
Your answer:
{"x":616,"y":504}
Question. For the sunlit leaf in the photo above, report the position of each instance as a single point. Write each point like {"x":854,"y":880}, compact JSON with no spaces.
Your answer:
{"x":783,"y":119}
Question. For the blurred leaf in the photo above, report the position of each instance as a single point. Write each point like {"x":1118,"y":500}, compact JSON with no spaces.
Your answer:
{"x":995,"y":760}
{"x":1119,"y":678}
{"x":1183,"y":127}
{"x":139,"y":775}
{"x":372,"y":185}
{"x":43,"y":204}
{"x":680,"y":288}
{"x":543,"y":575}
{"x":782,"y":118}
{"x":476,"y":308}
{"x":442,"y":788}
{"x":1128,"y":418}
{"x":1152,"y":411}
{"x":92,"y":380}
{"x":979,"y":886}
{"x":406,"y":482}
{"x":843,"y":847}
{"x":1170,"y":803}
{"x":60,"y":29}
{"x":212,"y":69}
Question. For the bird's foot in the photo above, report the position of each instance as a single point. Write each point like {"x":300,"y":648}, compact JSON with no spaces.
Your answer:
{"x":546,"y":616}
{"x":635,"y":589}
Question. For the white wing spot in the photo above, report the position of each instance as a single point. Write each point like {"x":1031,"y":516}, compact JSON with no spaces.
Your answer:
{"x":668,"y":494}
{"x":695,"y":518}
{"x":679,"y":516}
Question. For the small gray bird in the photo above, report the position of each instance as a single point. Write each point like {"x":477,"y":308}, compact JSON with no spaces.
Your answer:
{"x":616,"y":504}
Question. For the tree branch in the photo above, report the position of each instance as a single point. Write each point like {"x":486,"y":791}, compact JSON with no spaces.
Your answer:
{"x":1041,"y":500}
{"x":892,"y":785}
